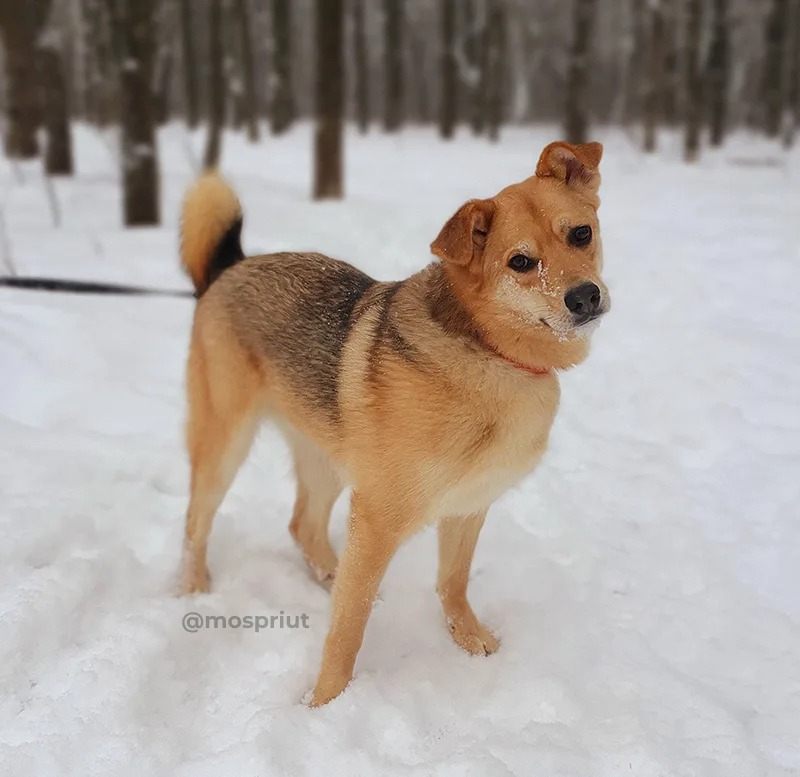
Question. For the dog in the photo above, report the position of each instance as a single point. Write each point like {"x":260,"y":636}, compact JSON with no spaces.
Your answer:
{"x":428,"y":397}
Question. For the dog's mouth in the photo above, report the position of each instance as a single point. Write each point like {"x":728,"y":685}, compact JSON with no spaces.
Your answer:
{"x":576,"y":327}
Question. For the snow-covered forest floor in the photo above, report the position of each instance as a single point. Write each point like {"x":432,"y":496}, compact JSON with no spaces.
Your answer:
{"x":645,"y":581}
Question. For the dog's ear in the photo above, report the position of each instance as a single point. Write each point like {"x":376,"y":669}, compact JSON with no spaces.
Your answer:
{"x":463,"y":237}
{"x":575,"y":165}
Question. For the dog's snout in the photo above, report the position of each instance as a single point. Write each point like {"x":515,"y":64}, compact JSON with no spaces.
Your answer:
{"x":583,"y":301}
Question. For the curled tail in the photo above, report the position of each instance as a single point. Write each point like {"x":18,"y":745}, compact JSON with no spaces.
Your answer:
{"x":211,"y":226}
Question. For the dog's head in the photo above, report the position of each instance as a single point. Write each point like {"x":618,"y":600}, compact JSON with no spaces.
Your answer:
{"x":527,"y":262}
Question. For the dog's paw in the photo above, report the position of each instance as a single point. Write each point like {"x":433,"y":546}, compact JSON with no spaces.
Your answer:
{"x":194,"y":581}
{"x":471,"y":635}
{"x":324,"y":692}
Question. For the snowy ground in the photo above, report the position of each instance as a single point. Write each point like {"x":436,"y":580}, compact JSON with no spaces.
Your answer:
{"x":645,"y":582}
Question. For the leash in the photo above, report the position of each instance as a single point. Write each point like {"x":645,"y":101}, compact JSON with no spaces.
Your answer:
{"x":87,"y":287}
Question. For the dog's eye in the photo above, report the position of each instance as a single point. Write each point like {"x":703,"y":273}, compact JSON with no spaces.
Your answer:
{"x":521,"y":263}
{"x":580,"y":236}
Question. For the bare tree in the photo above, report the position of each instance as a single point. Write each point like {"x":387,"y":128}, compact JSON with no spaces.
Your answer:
{"x":361,"y":66}
{"x":20,"y":25}
{"x":492,"y":88}
{"x":674,"y":78}
{"x":100,"y":88}
{"x":248,"y":107}
{"x":55,"y":108}
{"x":718,"y":72}
{"x":793,"y":79}
{"x":473,"y":23}
{"x":448,"y":107}
{"x":654,"y":78}
{"x":216,"y":86}
{"x":190,"y":85}
{"x":773,"y":84}
{"x":330,"y":93}
{"x":134,"y":25}
{"x":418,"y":44}
{"x":58,"y":155}
{"x":576,"y":124}
{"x":393,"y":24}
{"x":282,"y":103}
{"x":694,"y":81}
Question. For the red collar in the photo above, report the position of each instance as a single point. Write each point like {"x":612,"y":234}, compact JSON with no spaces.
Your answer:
{"x":526,"y":367}
{"x":514,"y":363}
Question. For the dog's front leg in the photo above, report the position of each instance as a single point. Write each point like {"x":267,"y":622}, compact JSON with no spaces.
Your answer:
{"x":457,"y":540}
{"x":373,"y":538}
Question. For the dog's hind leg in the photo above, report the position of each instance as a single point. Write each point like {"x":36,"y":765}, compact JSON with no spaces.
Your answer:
{"x":457,"y":540}
{"x":223,"y":417}
{"x":318,"y":487}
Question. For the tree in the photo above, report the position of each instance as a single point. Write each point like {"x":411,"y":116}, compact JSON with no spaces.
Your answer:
{"x":361,"y":66}
{"x":576,"y":123}
{"x":55,"y":108}
{"x":793,"y":85}
{"x":694,"y":82}
{"x":133,"y":22}
{"x":492,"y":85}
{"x":190,"y":86}
{"x":101,"y":81}
{"x":393,"y":23}
{"x":773,"y":83}
{"x":20,"y":24}
{"x":718,"y":72}
{"x":474,"y":39}
{"x":216,"y":86}
{"x":449,"y":95}
{"x":58,"y":156}
{"x":248,"y":72}
{"x":282,"y":103}
{"x":330,"y":94}
{"x":654,"y":79}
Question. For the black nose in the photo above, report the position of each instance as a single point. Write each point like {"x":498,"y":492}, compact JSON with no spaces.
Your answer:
{"x":583,"y":301}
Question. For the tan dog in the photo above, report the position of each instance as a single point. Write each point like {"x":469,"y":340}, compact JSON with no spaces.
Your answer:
{"x":430,"y":397}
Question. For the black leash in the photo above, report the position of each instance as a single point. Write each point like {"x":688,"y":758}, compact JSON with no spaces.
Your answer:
{"x":87,"y":287}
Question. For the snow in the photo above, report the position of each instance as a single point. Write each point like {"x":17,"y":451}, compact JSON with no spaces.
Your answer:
{"x":645,"y":581}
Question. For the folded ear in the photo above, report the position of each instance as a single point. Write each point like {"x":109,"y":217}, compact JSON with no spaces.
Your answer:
{"x":463,"y":237}
{"x":575,"y":165}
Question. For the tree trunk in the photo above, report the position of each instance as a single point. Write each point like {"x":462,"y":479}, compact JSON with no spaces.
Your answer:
{"x":449,"y":97}
{"x":330,"y":93}
{"x":576,"y":123}
{"x":216,"y":87}
{"x":102,"y":87}
{"x":393,"y":23}
{"x":673,"y":97}
{"x":793,"y":86}
{"x":283,"y":109}
{"x":654,"y":79}
{"x":163,"y":84}
{"x":418,"y":43}
{"x":58,"y":158}
{"x":134,"y":20}
{"x":773,"y":87}
{"x":632,"y":56}
{"x":189,"y":65}
{"x":20,"y":25}
{"x":361,"y":66}
{"x":718,"y":72}
{"x":248,"y":72}
{"x":694,"y":81}
{"x":495,"y":47}
{"x":474,"y":40}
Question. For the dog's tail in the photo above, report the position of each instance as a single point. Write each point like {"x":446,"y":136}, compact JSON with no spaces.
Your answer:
{"x":211,"y":227}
